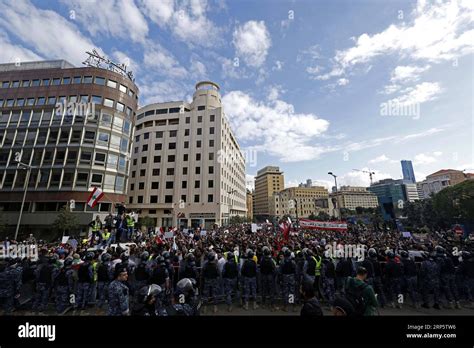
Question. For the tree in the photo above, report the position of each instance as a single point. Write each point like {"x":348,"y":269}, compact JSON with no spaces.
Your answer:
{"x":323,"y":216}
{"x":312,"y":217}
{"x":236,"y":220}
{"x":359,"y":210}
{"x":146,"y":221}
{"x":66,"y":220}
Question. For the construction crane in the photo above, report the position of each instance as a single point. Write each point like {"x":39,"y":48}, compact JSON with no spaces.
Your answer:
{"x":368,"y":172}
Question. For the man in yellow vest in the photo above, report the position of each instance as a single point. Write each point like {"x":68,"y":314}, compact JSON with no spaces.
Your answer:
{"x":130,"y":226}
{"x":96,"y":229}
{"x":105,"y":237}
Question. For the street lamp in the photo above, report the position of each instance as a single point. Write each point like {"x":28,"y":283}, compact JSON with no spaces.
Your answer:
{"x":27,"y":180}
{"x":335,"y":182}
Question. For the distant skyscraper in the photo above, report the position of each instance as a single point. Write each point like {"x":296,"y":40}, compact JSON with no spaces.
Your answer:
{"x":408,"y":173}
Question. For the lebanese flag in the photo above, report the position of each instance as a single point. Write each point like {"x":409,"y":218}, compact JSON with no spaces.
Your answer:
{"x":95,"y":196}
{"x":285,"y":230}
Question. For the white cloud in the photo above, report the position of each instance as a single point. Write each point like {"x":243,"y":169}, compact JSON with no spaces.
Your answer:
{"x":159,"y":58}
{"x":356,"y":178}
{"x":423,"y":92}
{"x":162,"y":91}
{"x":278,"y":65}
{"x":250,"y":181}
{"x":404,"y":73}
{"x":51,"y":35}
{"x":274,"y":92}
{"x":381,"y":159}
{"x":11,"y":53}
{"x":197,"y":69}
{"x":422,"y":158}
{"x":439,"y":31}
{"x":123,"y":58}
{"x":116,"y":18}
{"x":186,"y":20}
{"x":437,"y":153}
{"x":290,"y":133}
{"x":252,"y":42}
{"x":342,"y":82}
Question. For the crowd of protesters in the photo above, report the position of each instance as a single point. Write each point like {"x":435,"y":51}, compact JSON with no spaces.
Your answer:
{"x":130,"y":271}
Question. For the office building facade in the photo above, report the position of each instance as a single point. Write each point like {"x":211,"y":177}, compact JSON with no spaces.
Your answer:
{"x":408,"y":172}
{"x":267,"y":181}
{"x":187,"y":168}
{"x":351,"y":197}
{"x":73,"y":127}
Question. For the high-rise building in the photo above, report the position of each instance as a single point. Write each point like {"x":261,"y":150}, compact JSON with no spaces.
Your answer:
{"x":187,"y":167}
{"x":351,"y":197}
{"x":268,"y":181}
{"x":73,"y":127}
{"x":249,"y":205}
{"x":408,"y":172}
{"x":391,"y":195}
{"x":301,"y":201}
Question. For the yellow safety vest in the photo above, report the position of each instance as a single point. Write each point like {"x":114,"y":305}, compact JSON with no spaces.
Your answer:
{"x":317,"y":271}
{"x":130,"y":222}
{"x":95,"y":227}
{"x":106,"y":236}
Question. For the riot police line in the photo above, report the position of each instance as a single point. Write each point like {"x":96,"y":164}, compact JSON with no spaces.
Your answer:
{"x":194,"y":275}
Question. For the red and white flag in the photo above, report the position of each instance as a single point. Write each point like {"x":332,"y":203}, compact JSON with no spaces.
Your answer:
{"x":95,"y":197}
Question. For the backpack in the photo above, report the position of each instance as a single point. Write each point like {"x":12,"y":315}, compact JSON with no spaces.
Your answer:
{"x":355,"y":296}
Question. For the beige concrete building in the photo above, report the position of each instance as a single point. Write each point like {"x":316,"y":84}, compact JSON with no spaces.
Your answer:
{"x":302,"y":201}
{"x":350,"y":197}
{"x":187,"y":167}
{"x":268,"y":181}
{"x":439,"y":180}
{"x":249,"y":205}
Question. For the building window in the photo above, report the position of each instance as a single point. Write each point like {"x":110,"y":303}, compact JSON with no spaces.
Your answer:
{"x":143,"y":160}
{"x":172,"y":146}
{"x":173,"y":133}
{"x":211,"y":170}
{"x":112,"y":84}
{"x":186,"y":144}
{"x":99,"y":159}
{"x":134,"y":161}
{"x":186,"y":132}
{"x":198,"y":143}
{"x":158,"y":146}
{"x":210,"y":198}
{"x":184,"y":184}
{"x":170,"y":171}
{"x":199,"y":119}
{"x":87,"y":79}
{"x":198,"y":170}
{"x":169,"y":184}
{"x":108,"y":102}
{"x":142,"y":172}
{"x":211,"y":130}
{"x":199,"y":131}
{"x":99,"y":81}
{"x":141,"y":185}
{"x":212,"y":118}
{"x":130,"y":200}
{"x":198,"y":157}
{"x":171,"y":158}
{"x":56,"y":82}
{"x":188,"y":120}
{"x":210,"y":183}
{"x":185,"y":170}
{"x":183,"y":198}
{"x":153,"y":199}
{"x":146,"y":136}
{"x":197,"y":184}
{"x":140,"y":199}
{"x":196,"y":198}
{"x":96,"y":179}
{"x":123,"y":88}
{"x":211,"y":156}
{"x":211,"y":143}
{"x":154,"y":185}
{"x":144,"y":148}
{"x":133,"y":173}
{"x":157,"y":159}
{"x":137,"y":138}
{"x":156,"y":172}
{"x":132,"y":187}
{"x":185,"y":157}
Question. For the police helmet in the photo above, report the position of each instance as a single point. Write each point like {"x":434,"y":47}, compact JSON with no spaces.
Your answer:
{"x":211,"y":256}
{"x":372,"y":252}
{"x":89,"y":256}
{"x":144,"y":256}
{"x":250,"y":253}
{"x":166,"y":255}
{"x":287,"y":253}
{"x":266,"y":251}
{"x":160,"y":260}
{"x":149,"y":291}
{"x":230,"y":255}
{"x":404,"y":254}
{"x":185,"y":285}
{"x":439,"y":249}
{"x":390,"y":254}
{"x":106,"y":257}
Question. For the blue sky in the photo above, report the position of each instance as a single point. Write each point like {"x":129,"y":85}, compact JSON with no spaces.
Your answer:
{"x":303,"y":82}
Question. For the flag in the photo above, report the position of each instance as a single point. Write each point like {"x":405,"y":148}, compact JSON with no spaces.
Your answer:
{"x":95,"y":197}
{"x":285,"y":230}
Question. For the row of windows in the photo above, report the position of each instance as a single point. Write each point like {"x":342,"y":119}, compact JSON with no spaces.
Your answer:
{"x":47,"y":118}
{"x":65,"y":156}
{"x":61,"y":178}
{"x":169,"y":171}
{"x":67,"y":81}
{"x":169,"y":199}
{"x":52,"y":206}
{"x":12,"y":137}
{"x":173,"y":121}
{"x":170,"y":185}
{"x":69,"y":104}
